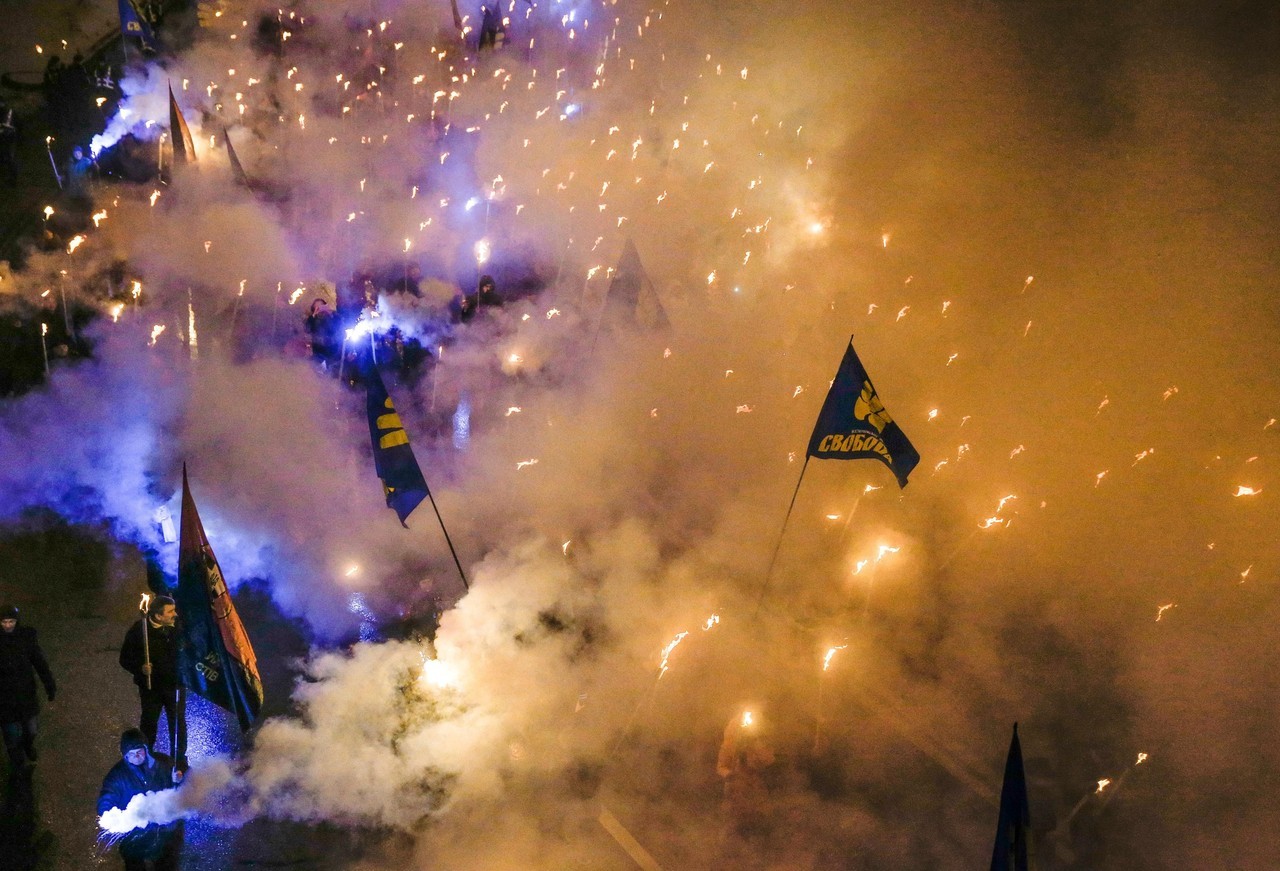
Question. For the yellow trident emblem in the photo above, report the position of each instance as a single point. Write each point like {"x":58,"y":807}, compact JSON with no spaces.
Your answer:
{"x":871,"y":409}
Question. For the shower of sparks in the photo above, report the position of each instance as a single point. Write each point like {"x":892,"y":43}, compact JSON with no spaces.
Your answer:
{"x":666,"y":653}
{"x":1143,"y":455}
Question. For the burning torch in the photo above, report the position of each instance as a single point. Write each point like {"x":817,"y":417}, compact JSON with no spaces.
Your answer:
{"x":146,"y":643}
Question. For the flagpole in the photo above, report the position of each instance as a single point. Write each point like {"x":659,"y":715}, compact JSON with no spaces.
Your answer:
{"x":448,"y":541}
{"x":768,"y":575}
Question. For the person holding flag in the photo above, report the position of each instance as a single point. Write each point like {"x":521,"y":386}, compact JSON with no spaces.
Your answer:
{"x":140,"y":771}
{"x":150,"y":654}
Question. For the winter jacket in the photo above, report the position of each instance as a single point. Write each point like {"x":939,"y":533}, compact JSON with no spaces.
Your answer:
{"x":122,"y":783}
{"x":163,"y":641}
{"x":21,"y":659}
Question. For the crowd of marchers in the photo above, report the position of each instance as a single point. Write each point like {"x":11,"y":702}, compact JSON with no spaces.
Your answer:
{"x":149,"y":654}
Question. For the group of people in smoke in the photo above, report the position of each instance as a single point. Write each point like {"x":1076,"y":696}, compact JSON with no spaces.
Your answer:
{"x":328,"y":325}
{"x":150,"y":655}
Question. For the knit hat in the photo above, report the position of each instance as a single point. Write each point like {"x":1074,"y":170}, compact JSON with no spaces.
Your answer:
{"x":9,"y":612}
{"x":132,"y":739}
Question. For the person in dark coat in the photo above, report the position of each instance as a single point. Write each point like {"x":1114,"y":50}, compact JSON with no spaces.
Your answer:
{"x":410,"y":283}
{"x":21,"y":661}
{"x":138,"y":772}
{"x":322,"y":327}
{"x":8,"y":144}
{"x":165,"y":692}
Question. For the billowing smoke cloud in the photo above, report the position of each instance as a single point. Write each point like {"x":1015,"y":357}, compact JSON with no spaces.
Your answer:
{"x":1058,"y":282}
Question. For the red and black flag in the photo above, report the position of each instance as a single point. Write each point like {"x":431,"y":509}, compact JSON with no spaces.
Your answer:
{"x":402,"y":480}
{"x":216,"y":657}
{"x":854,"y":425}
{"x":184,"y":148}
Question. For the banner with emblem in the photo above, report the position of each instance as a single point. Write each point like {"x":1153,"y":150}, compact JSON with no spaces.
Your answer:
{"x":216,"y":658}
{"x":402,"y":480}
{"x":854,"y":425}
{"x":132,"y":24}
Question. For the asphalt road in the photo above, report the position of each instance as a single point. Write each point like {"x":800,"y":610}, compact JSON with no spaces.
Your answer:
{"x":80,"y":588}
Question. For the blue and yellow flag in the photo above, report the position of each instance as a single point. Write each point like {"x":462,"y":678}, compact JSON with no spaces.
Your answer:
{"x":1013,"y":831}
{"x":854,"y":425}
{"x":216,"y":658}
{"x":402,"y":479}
{"x":132,"y":24}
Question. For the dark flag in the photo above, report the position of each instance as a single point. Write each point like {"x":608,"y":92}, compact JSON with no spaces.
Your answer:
{"x":237,"y":169}
{"x":402,"y":479}
{"x":631,"y":297}
{"x":854,"y":425}
{"x":184,"y":149}
{"x":217,"y":659}
{"x":1013,"y":832}
{"x":132,"y":24}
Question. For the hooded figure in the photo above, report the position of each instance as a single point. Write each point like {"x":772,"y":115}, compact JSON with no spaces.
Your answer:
{"x":21,"y":660}
{"x":139,"y":771}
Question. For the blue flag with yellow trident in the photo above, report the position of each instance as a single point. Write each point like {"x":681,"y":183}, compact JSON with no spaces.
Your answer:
{"x":853,"y":423}
{"x":402,"y":479}
{"x":132,"y":24}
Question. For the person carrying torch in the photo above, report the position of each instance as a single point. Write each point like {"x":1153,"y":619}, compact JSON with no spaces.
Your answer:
{"x":150,"y":654}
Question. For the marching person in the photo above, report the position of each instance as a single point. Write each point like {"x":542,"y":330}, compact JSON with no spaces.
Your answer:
{"x":154,"y":666}
{"x":21,"y":660}
{"x":140,"y":771}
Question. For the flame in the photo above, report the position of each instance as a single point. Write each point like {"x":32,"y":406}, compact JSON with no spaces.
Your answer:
{"x":76,"y":241}
{"x":1142,"y":757}
{"x":712,"y":621}
{"x":1103,"y":783}
{"x":666,"y":653}
{"x":1162,"y":608}
{"x":531,"y":462}
{"x":1241,"y":490}
{"x":831,"y":652}
{"x":155,"y":334}
{"x":747,"y":720}
{"x":146,"y":600}
{"x":115,"y":310}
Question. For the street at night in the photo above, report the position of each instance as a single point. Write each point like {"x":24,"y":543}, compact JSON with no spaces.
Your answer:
{"x":590,"y":434}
